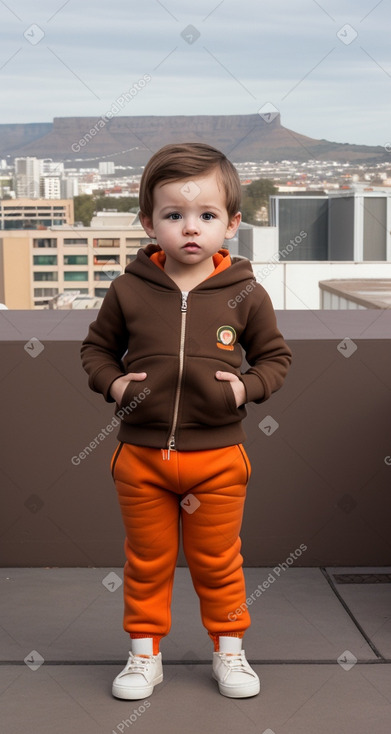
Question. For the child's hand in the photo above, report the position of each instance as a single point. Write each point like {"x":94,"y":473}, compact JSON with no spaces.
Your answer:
{"x":237,"y":385}
{"x":119,"y":385}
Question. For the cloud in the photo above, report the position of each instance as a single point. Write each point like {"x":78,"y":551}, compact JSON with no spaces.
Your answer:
{"x":246,"y":54}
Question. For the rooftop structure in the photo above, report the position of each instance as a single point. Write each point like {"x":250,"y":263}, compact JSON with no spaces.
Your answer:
{"x":113,"y":219}
{"x":345,"y":225}
{"x":356,"y":293}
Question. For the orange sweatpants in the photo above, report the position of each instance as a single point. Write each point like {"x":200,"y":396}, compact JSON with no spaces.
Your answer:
{"x":206,"y":490}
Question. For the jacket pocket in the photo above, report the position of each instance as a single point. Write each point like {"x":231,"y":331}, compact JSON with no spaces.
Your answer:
{"x":206,"y":400}
{"x":246,"y":461}
{"x":114,"y":457}
{"x":148,"y":401}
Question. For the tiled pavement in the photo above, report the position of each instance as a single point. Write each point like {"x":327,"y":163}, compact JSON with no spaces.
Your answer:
{"x":301,"y":624}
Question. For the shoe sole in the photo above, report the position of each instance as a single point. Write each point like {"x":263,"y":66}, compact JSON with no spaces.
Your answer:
{"x":133,"y":694}
{"x":231,"y":692}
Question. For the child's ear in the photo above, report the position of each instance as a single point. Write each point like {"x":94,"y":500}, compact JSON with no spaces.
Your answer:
{"x":147,"y":224}
{"x":233,"y":226}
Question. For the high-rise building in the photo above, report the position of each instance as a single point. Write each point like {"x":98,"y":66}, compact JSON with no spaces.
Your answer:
{"x":35,"y":178}
{"x":106,"y":168}
{"x":69,"y":187}
{"x":54,"y":168}
{"x":28,"y":172}
{"x":50,"y":187}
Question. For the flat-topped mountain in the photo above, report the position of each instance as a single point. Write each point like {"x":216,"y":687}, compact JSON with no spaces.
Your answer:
{"x":132,"y":140}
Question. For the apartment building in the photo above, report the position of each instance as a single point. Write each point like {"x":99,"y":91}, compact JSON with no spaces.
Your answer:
{"x":35,"y":213}
{"x":36,"y":265}
{"x":50,"y":187}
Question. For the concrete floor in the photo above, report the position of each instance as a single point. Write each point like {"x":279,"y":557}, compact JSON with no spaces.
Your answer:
{"x":301,"y":624}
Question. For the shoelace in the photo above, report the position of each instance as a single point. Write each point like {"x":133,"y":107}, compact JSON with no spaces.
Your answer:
{"x":138,"y":664}
{"x":235,"y":662}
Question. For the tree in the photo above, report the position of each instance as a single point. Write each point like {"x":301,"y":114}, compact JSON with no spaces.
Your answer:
{"x":254,"y":197}
{"x":120,"y":204}
{"x":84,"y":208}
{"x":86,"y":205}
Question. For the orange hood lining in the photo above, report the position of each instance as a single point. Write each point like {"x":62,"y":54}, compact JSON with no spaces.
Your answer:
{"x":221,"y":260}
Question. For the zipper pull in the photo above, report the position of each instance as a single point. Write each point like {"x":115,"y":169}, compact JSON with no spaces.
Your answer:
{"x":171,"y":447}
{"x":184,"y":301}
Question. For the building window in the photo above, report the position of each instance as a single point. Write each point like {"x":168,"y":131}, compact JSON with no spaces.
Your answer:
{"x":109,"y":274}
{"x":100,"y":259}
{"x":44,"y":292}
{"x":76,"y":275}
{"x":46,"y":276}
{"x":19,"y":224}
{"x":45,"y":243}
{"x":74,"y":241}
{"x":106,"y":242}
{"x":37,"y":223}
{"x":130,"y":258}
{"x":75,"y":259}
{"x":100,"y":292}
{"x":137,"y":242}
{"x":45,"y":259}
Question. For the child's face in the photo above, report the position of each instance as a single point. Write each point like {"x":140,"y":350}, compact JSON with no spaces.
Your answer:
{"x":190,"y":220}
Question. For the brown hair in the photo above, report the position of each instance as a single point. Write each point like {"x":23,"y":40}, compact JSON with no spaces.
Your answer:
{"x":185,"y":160}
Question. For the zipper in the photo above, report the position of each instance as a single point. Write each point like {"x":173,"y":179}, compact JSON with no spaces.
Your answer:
{"x":171,"y":441}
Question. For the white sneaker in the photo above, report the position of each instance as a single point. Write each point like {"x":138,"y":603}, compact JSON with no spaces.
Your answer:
{"x":139,"y":676}
{"x":235,"y":677}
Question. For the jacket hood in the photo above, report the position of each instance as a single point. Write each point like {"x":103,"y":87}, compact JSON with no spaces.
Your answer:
{"x":142,"y":267}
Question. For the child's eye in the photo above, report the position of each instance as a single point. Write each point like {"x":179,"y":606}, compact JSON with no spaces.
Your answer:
{"x":207,"y":216}
{"x":174,"y":215}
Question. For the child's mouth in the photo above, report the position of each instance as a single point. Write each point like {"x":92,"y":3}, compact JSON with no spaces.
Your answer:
{"x":191,"y":246}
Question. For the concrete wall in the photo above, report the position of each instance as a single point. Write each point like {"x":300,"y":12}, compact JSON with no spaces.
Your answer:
{"x":295,"y":285}
{"x":15,"y":272}
{"x":322,"y":479}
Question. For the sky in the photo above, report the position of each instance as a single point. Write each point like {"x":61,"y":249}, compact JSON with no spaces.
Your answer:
{"x":325,"y":66}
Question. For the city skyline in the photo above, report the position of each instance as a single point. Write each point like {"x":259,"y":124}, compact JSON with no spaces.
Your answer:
{"x":325,"y":66}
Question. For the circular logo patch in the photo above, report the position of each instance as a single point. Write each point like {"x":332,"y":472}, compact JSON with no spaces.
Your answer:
{"x":226,"y":337}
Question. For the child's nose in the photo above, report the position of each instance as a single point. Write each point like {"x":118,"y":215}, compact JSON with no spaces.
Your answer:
{"x":191,"y":226}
